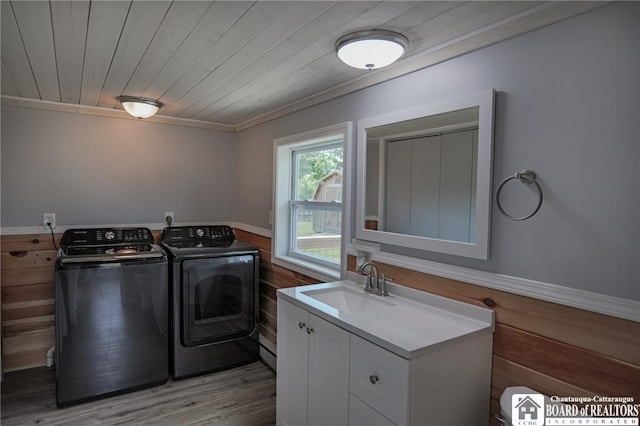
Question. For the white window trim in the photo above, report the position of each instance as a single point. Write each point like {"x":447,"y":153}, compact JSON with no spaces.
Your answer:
{"x":282,"y":148}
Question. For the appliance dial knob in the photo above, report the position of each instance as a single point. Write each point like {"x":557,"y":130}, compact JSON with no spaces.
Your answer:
{"x":200,"y":232}
{"x":109,"y":235}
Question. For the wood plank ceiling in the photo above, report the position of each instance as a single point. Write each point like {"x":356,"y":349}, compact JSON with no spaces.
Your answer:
{"x":234,"y":63}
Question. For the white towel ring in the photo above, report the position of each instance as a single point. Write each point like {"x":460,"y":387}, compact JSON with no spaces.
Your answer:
{"x":528,"y":177}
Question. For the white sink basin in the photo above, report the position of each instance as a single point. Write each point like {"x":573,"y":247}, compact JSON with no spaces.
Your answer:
{"x":348,"y":300}
{"x":407,"y":322}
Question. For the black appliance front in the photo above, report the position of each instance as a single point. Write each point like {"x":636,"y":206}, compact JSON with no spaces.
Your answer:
{"x":218,"y":297}
{"x":215,"y":307}
{"x":214,"y":314}
{"x":111,"y":326}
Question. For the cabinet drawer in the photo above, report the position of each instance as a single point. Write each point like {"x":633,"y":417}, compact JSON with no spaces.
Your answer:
{"x":380,"y":379}
{"x":360,"y":414}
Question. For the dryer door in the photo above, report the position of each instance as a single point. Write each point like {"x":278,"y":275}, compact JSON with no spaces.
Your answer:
{"x":217,"y":299}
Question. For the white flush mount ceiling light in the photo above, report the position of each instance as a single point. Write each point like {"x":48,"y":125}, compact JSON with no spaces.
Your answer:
{"x":140,"y":107}
{"x":371,"y":49}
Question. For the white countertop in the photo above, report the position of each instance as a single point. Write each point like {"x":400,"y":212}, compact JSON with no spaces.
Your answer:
{"x":408,"y":322}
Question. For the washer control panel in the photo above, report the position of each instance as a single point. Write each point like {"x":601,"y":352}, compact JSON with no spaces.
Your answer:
{"x":104,"y":236}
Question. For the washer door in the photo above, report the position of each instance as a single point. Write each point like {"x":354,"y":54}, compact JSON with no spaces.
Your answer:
{"x":217,"y":299}
{"x":111,"y":328}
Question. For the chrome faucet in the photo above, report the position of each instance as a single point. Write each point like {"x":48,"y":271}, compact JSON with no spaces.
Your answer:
{"x":375,"y":284}
{"x":372,"y":276}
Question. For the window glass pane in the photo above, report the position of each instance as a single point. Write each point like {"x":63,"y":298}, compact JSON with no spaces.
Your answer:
{"x":307,"y":224}
{"x":316,"y":232}
{"x":318,"y":174}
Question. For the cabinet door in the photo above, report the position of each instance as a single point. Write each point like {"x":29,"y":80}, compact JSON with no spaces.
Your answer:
{"x":292,"y":365}
{"x":328,"y":374}
{"x":380,"y":379}
{"x":360,"y":414}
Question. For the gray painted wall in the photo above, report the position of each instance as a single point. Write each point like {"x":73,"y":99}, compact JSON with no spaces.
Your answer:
{"x":92,"y":170}
{"x":568,"y":107}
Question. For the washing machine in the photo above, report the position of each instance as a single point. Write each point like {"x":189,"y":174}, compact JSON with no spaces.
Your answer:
{"x":112,"y":327}
{"x":214,"y":299}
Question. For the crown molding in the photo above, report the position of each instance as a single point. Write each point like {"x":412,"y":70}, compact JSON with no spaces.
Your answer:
{"x":109,"y":112}
{"x":528,"y":20}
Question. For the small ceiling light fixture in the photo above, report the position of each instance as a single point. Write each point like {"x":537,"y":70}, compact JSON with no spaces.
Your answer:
{"x":371,"y":49}
{"x":140,"y":107}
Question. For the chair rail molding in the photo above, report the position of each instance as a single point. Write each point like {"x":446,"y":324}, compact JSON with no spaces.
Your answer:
{"x":567,"y":296}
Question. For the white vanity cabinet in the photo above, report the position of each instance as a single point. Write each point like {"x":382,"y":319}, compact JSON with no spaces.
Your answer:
{"x":312,"y":369}
{"x":346,"y":358}
{"x":445,"y":388}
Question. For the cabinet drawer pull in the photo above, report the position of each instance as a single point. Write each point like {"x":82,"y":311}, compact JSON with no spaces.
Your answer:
{"x":301,"y":325}
{"x":373,"y":379}
{"x":309,"y":330}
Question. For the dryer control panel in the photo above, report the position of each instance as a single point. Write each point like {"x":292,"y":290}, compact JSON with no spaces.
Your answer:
{"x":198,"y":233}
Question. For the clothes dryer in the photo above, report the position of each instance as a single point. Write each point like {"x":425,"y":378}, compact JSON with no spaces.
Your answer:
{"x":214,"y":299}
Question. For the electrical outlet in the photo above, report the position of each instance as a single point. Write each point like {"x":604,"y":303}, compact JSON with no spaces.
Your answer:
{"x":168,"y":218}
{"x":48,"y":218}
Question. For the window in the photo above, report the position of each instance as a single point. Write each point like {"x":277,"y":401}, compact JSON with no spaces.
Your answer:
{"x":308,"y":201}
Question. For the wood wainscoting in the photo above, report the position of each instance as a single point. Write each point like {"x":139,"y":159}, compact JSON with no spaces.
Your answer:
{"x":272,"y":277}
{"x":27,"y":299}
{"x":551,"y":348}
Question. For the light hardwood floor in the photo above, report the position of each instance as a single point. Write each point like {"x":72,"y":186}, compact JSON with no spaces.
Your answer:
{"x":240,"y":396}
